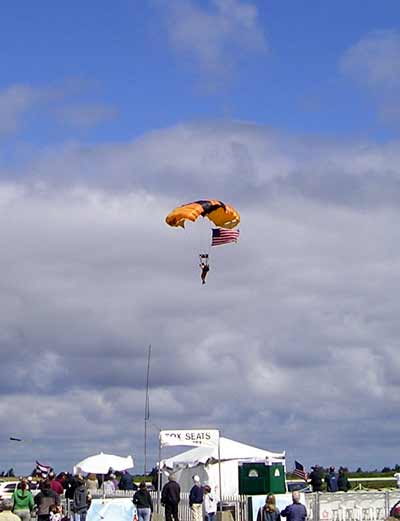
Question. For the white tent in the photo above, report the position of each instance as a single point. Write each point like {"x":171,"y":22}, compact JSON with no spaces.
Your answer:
{"x":203,"y":461}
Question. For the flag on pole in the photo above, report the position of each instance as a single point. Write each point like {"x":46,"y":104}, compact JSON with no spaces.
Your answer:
{"x":223,"y":236}
{"x":43,"y":469}
{"x":299,"y":471}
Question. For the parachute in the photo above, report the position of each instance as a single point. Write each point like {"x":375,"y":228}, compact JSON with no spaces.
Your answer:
{"x":221,"y":214}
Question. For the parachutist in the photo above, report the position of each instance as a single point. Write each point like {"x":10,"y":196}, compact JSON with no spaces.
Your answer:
{"x":205,"y":268}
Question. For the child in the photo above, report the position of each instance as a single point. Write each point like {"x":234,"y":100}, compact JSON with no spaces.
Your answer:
{"x":210,"y":505}
{"x":55,"y":513}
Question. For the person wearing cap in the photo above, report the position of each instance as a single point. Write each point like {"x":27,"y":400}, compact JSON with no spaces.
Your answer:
{"x":6,"y":515}
{"x":296,"y":511}
{"x":316,"y":476}
{"x":196,"y":497}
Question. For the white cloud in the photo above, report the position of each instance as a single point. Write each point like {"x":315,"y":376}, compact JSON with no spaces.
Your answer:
{"x":297,"y":326}
{"x":215,"y":37}
{"x":15,"y":101}
{"x":18,"y":102}
{"x":373,"y":62}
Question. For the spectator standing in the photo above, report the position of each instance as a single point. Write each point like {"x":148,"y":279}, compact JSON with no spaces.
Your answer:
{"x":296,"y":511}
{"x":331,"y":480}
{"x":196,"y":496}
{"x":316,"y":478}
{"x":397,"y":477}
{"x":126,"y":481}
{"x":108,"y":486}
{"x":343,"y":480}
{"x":143,"y":502}
{"x":170,"y":498}
{"x":55,"y":484}
{"x":45,"y":499}
{"x":70,"y":484}
{"x":210,"y":504}
{"x":91,"y":482}
{"x":6,"y":514}
{"x":81,"y":500}
{"x":269,"y":512}
{"x":23,"y":501}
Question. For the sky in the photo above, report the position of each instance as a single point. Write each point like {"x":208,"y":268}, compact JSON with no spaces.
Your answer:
{"x":114,"y":113}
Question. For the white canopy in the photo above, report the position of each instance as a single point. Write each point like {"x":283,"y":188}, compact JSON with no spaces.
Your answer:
{"x":229,"y":450}
{"x":101,"y":463}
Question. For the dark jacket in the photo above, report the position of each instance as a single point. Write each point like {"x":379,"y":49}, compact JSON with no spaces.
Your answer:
{"x":295,"y":512}
{"x":316,"y":479}
{"x":331,"y":480}
{"x":196,"y":495}
{"x":267,"y":515}
{"x":45,"y":499}
{"x":80,"y":499}
{"x":142,"y":499}
{"x":343,"y":482}
{"x":171,"y":493}
{"x":126,"y":482}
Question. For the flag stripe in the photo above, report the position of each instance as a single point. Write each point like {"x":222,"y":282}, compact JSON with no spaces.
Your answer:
{"x":299,"y":471}
{"x":223,"y":236}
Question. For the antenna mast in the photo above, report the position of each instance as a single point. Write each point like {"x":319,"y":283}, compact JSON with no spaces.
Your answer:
{"x":146,"y":409}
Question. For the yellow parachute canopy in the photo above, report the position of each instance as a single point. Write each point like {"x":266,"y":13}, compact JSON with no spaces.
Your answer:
{"x":221,"y":214}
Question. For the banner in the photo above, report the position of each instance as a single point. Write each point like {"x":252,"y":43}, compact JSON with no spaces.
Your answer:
{"x":197,"y":437}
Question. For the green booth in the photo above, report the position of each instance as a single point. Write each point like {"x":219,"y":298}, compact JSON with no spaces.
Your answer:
{"x":260,"y":477}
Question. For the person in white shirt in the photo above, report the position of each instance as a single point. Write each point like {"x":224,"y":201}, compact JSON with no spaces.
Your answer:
{"x":397,"y":476}
{"x":210,"y":503}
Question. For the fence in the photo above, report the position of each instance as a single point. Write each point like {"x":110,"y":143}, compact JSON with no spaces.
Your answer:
{"x":321,"y":506}
{"x":237,"y":505}
{"x":351,"y":506}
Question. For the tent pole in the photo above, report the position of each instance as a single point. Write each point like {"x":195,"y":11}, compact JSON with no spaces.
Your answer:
{"x":219,"y":474}
{"x":159,"y":475}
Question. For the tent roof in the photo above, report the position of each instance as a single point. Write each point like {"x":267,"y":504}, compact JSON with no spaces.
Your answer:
{"x":229,"y":450}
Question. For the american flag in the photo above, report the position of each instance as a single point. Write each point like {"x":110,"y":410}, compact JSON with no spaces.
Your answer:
{"x":299,"y":471}
{"x":43,"y":469}
{"x":223,"y":236}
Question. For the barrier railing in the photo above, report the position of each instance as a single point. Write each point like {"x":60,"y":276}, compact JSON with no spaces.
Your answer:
{"x":321,"y":506}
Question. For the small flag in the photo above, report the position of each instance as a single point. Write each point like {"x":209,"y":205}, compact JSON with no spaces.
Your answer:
{"x":43,"y":469}
{"x":299,"y":471}
{"x":223,"y":236}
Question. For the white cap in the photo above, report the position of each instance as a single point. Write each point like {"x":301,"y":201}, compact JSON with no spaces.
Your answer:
{"x":196,"y":479}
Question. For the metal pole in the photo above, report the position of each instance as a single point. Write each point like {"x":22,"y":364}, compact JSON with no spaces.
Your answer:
{"x":219,"y":473}
{"x":159,"y":475}
{"x":146,"y":410}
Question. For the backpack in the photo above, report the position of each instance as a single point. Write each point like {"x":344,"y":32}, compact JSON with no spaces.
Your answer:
{"x":80,"y":498}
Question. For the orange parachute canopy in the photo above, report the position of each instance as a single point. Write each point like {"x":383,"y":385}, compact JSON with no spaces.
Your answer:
{"x":221,"y":214}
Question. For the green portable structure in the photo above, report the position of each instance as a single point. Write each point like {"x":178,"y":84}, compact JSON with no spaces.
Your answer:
{"x":259,"y":477}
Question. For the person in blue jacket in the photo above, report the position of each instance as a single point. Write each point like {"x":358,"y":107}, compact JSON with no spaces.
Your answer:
{"x":296,"y":511}
{"x":331,"y":480}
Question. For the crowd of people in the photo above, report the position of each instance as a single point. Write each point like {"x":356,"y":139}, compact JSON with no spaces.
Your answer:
{"x":293,"y":512}
{"x":334,"y":481}
{"x":201,"y":498}
{"x":46,"y":503}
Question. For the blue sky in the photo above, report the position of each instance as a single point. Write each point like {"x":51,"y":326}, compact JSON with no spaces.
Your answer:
{"x":113,"y":114}
{"x":120,"y":58}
